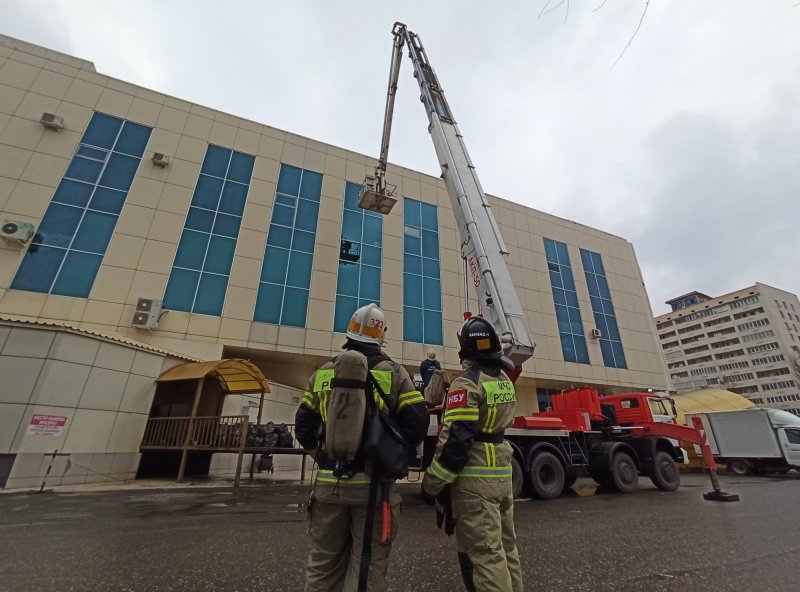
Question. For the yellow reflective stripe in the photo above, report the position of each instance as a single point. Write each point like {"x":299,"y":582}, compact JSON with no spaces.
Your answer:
{"x":379,"y":401}
{"x":486,"y":472}
{"x":468,"y":414}
{"x":409,"y":399}
{"x":491,"y":454}
{"x":488,"y":453}
{"x":440,"y":472}
{"x":308,"y":399}
{"x":326,"y":476}
{"x":322,"y":380}
{"x":384,"y":380}
{"x":491,"y":417}
{"x":323,"y":406}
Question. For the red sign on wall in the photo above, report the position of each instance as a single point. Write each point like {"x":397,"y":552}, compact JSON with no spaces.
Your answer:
{"x":47,"y":425}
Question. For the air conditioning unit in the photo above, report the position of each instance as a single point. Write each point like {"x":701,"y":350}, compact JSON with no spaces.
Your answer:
{"x":17,"y":231}
{"x":596,"y":333}
{"x":159,"y":159}
{"x":52,"y":121}
{"x":146,"y":314}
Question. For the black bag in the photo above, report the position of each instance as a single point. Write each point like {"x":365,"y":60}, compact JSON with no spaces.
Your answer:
{"x":384,"y":443}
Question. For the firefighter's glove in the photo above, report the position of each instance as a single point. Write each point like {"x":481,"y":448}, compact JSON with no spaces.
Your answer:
{"x":426,"y":497}
{"x":444,"y":511}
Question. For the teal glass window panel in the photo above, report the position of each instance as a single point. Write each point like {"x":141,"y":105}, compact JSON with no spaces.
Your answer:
{"x":413,"y":324}
{"x":133,"y":139}
{"x":39,"y":269}
{"x":430,"y":268}
{"x":550,"y":250}
{"x":216,"y":161}
{"x":73,"y":193}
{"x":608,"y":353}
{"x":311,"y":185}
{"x":612,"y":330}
{"x":559,"y":296}
{"x":586,"y":260}
{"x":411,"y":213}
{"x":371,"y":256}
{"x":220,"y":255}
{"x":191,"y":250}
{"x":199,"y":219}
{"x":58,"y":225}
{"x":351,"y":226}
{"x":276,"y":262}
{"x":619,"y":355}
{"x":412,"y":290}
{"x":568,"y":348}
{"x":234,"y":197}
{"x":283,"y":215}
{"x":581,"y":351}
{"x":602,"y":286}
{"x":432,"y":321}
{"x":207,"y":192}
{"x":84,"y":169}
{"x":343,"y":311}
{"x":269,"y":303}
{"x":241,"y":167}
{"x":210,"y":294}
{"x":299,"y":274}
{"x":108,"y":200}
{"x":351,"y":197}
{"x":431,"y":290}
{"x":428,"y":218}
{"x":289,"y":180}
{"x":347,"y":280}
{"x":370,"y":288}
{"x":102,"y":131}
{"x":95,"y":232}
{"x":303,"y":241}
{"x":307,"y":214}
{"x":572,"y":298}
{"x":295,"y":304}
{"x":412,"y":264}
{"x":373,"y":229}
{"x":181,"y":289}
{"x":119,"y":172}
{"x":95,"y":153}
{"x":77,"y":275}
{"x":280,"y":236}
{"x":411,"y":244}
{"x":597,"y":262}
{"x":226,"y":225}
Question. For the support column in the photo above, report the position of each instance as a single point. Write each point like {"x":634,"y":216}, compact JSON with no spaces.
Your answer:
{"x":189,"y":430}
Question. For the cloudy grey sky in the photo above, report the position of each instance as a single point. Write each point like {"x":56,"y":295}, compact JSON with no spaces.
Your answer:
{"x":689,"y":147}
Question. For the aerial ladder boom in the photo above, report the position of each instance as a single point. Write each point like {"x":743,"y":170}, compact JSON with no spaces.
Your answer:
{"x":482,"y":246}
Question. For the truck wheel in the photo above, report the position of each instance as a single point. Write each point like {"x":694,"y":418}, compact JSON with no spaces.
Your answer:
{"x":517,"y":478}
{"x":739,"y":466}
{"x":624,"y":473}
{"x":665,"y":474}
{"x":547,"y":475}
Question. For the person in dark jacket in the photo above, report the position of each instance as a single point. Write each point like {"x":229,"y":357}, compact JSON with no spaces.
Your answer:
{"x":337,"y":511}
{"x":428,"y":367}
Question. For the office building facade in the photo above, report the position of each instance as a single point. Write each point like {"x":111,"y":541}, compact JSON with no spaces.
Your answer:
{"x":251,"y":241}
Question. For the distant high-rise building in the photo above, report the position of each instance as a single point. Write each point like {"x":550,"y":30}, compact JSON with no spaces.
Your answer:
{"x":747,"y":342}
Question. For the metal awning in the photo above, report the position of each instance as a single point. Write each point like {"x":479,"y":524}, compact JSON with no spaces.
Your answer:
{"x":234,"y":376}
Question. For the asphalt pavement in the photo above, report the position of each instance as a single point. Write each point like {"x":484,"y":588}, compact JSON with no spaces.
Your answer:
{"x":254,"y":539}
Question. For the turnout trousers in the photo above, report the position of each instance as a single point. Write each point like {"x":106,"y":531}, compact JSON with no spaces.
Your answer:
{"x":337,"y":535}
{"x":487,"y":550}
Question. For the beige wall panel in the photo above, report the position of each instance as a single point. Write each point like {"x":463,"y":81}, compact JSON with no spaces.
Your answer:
{"x":28,"y":200}
{"x":13,"y":161}
{"x":203,"y":325}
{"x":63,"y":308}
{"x":10,"y":98}
{"x":26,"y":304}
{"x":113,"y":284}
{"x":240,"y":303}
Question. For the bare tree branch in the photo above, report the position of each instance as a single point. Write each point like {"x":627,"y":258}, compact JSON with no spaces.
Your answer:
{"x":639,"y":26}
{"x":603,"y":3}
{"x":556,"y":6}
{"x":541,"y":12}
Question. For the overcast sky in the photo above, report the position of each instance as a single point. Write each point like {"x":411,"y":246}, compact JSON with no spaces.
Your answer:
{"x":689,"y":147}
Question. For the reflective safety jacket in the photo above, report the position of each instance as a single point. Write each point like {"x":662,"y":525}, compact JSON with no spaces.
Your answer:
{"x":471,"y":448}
{"x":404,"y":401}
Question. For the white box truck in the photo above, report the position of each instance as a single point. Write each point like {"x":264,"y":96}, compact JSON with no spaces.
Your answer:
{"x":753,"y":441}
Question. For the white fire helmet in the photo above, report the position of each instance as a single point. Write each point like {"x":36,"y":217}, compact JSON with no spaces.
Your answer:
{"x":368,"y":324}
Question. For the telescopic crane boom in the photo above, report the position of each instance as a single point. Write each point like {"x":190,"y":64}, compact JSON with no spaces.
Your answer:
{"x":482,"y":246}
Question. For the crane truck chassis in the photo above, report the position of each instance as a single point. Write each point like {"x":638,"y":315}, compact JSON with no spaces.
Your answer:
{"x":613,"y":441}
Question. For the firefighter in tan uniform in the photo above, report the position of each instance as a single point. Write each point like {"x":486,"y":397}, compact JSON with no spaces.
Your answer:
{"x":472,"y":463}
{"x":338,"y":506}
